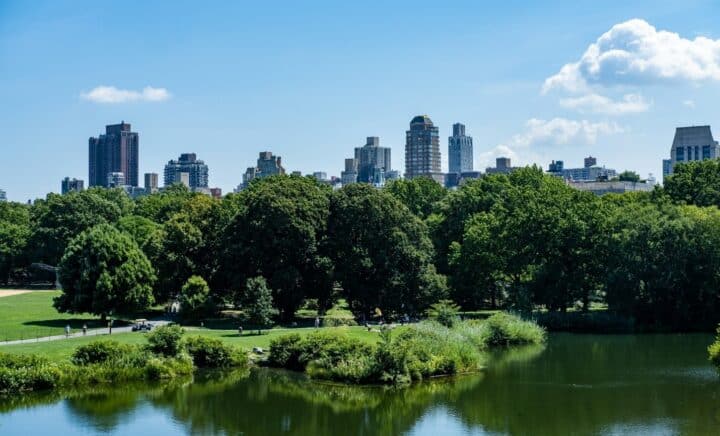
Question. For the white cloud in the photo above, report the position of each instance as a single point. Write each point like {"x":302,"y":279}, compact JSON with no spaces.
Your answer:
{"x":111,"y":94}
{"x":527,"y":145}
{"x":634,"y":52}
{"x":689,"y":103}
{"x":595,"y":103}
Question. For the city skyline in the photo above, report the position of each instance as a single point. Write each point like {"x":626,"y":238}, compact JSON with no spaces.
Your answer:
{"x":551,"y":90}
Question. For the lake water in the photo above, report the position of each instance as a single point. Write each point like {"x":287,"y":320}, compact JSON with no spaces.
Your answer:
{"x":576,"y":384}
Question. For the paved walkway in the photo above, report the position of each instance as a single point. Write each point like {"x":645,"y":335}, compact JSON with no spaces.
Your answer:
{"x":79,"y":334}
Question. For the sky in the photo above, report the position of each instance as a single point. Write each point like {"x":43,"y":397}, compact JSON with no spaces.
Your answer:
{"x":309,"y":81}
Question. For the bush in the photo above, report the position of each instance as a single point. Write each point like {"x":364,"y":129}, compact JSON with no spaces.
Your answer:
{"x":166,"y":340}
{"x":158,"y":368}
{"x":334,"y":321}
{"x":714,"y":350}
{"x":194,"y":297}
{"x":101,"y":352}
{"x":507,"y":329}
{"x":20,"y":373}
{"x":213,"y":353}
{"x":285,"y":352}
{"x":446,"y":312}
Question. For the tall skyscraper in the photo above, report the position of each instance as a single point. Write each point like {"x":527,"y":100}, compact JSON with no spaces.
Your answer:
{"x":667,"y":167}
{"x":114,"y":152}
{"x":693,"y":143}
{"x":350,"y":174}
{"x":267,"y":165}
{"x":460,"y":150}
{"x":422,"y":150}
{"x":69,"y":185}
{"x":3,"y":196}
{"x":151,"y":183}
{"x":372,"y":160}
{"x":590,"y":162}
{"x":188,"y":163}
{"x":116,"y":180}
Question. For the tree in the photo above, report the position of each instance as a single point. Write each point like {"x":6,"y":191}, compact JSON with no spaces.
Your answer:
{"x":103,"y":271}
{"x":258,"y":303}
{"x":279,"y":233}
{"x":382,"y":252}
{"x":160,"y":206}
{"x":59,"y":218}
{"x":14,"y":234}
{"x":696,"y":182}
{"x":194,"y":296}
{"x":629,"y":176}
{"x":419,"y":194}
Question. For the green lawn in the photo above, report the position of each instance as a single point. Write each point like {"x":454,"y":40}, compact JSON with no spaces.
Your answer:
{"x":63,"y":349}
{"x":32,"y":315}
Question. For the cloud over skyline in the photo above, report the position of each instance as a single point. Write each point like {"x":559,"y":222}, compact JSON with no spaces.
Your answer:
{"x":634,"y":52}
{"x":596,"y":103}
{"x":113,"y":95}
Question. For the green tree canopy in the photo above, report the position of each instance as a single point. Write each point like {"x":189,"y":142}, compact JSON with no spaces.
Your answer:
{"x":14,"y":233}
{"x":278,"y":234}
{"x":103,"y":271}
{"x":419,"y":194}
{"x":696,"y":182}
{"x":382,"y":252}
{"x":194,"y":296}
{"x":629,"y":176}
{"x":258,"y":303}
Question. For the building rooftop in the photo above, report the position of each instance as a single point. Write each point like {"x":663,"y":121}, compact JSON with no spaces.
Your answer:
{"x":421,"y":119}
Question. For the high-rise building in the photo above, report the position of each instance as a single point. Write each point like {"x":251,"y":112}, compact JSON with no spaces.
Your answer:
{"x":116,"y":180}
{"x":460,"y":150}
{"x":114,"y":152}
{"x":216,"y":193}
{"x":590,"y":162}
{"x":422,"y":150}
{"x":3,"y":196}
{"x":372,"y":160}
{"x":188,"y":163}
{"x":269,"y":165}
{"x":68,"y":185}
{"x":502,"y":166}
{"x":667,"y":167}
{"x":320,"y":176}
{"x":350,"y":174}
{"x":693,"y":143}
{"x":151,"y":183}
{"x":556,"y":167}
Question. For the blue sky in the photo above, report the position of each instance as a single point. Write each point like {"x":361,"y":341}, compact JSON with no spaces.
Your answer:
{"x":310,"y":80}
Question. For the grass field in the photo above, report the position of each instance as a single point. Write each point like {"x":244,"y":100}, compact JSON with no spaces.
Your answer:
{"x":63,"y":349}
{"x":32,"y":315}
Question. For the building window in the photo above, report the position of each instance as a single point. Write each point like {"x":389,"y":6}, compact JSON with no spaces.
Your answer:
{"x":706,"y":152}
{"x":680,"y":154}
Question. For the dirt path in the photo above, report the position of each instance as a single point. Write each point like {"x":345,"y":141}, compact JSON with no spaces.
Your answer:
{"x":11,"y":292}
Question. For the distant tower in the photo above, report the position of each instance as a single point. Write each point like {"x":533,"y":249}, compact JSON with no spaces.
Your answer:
{"x":114,"y":152}
{"x":422,"y":150}
{"x":590,"y":161}
{"x":69,"y":185}
{"x":188,"y":163}
{"x":372,"y":160}
{"x":460,"y":150}
{"x":151,"y":182}
{"x":693,"y":143}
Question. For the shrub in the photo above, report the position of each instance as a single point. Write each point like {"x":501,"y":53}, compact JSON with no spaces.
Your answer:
{"x":101,"y":352}
{"x":507,"y":329}
{"x":158,"y":368}
{"x":21,"y":360}
{"x":334,"y":321}
{"x":213,"y":353}
{"x":285,"y":352}
{"x":714,"y":350}
{"x":20,"y":373}
{"x":194,"y":297}
{"x":446,"y":312}
{"x":166,"y":340}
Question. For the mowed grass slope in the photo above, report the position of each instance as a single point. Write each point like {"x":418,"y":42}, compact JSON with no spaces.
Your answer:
{"x":63,"y":349}
{"x":32,"y":315}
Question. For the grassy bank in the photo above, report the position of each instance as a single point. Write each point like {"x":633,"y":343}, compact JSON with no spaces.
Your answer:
{"x":32,"y":315}
{"x":413,"y":352}
{"x":167,"y":354}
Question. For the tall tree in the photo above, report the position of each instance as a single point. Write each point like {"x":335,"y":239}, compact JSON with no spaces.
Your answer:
{"x":696,"y":182}
{"x":258,"y":303}
{"x":382,"y":252}
{"x":103,"y":271}
{"x":14,"y":234}
{"x":278,"y":233}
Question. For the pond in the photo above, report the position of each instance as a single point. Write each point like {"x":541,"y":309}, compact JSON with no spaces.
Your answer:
{"x":576,"y":384}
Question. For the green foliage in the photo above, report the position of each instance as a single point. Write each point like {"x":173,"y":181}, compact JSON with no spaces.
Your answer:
{"x":103,"y":271}
{"x":419,"y":194}
{"x":258,"y":303}
{"x":101,"y":352}
{"x":714,"y":350}
{"x":696,"y":182}
{"x":194,"y":296}
{"x":446,"y":312}
{"x":382,"y":253}
{"x":166,"y":340}
{"x":335,"y":321}
{"x":279,"y":234}
{"x":15,"y":231}
{"x":504,"y":329}
{"x":213,"y":353}
{"x":629,"y":176}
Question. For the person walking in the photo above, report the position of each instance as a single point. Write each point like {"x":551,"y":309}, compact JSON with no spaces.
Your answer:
{"x":317,"y":322}
{"x":67,"y":331}
{"x":110,"y":327}
{"x":84,"y":329}
{"x":240,"y":330}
